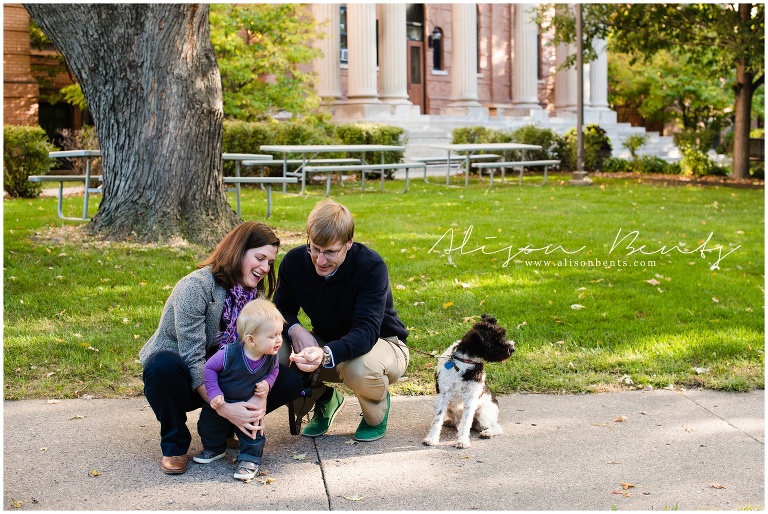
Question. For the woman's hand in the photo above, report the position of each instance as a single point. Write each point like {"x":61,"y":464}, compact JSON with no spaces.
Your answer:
{"x":301,"y":338}
{"x":308,"y":359}
{"x":244,"y":415}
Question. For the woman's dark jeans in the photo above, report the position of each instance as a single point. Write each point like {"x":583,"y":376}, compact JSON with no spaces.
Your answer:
{"x":168,"y":388}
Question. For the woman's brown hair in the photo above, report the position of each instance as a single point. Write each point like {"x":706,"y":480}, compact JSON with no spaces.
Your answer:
{"x":226,"y":260}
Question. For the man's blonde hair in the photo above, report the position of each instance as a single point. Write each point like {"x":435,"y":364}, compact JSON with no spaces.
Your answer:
{"x":255,"y":314}
{"x":329,"y":222}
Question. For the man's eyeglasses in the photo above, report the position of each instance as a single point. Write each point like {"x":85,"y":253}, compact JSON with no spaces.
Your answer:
{"x":328,"y":254}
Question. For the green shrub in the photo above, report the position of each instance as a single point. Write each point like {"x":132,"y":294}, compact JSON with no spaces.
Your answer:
{"x":653,"y":164}
{"x":758,"y":133}
{"x":373,"y":134}
{"x":634,"y":142}
{"x":471,"y":135}
{"x":597,"y":148}
{"x":25,"y":153}
{"x":695,"y":162}
{"x":616,"y":165}
{"x":758,"y":171}
{"x":548,"y":139}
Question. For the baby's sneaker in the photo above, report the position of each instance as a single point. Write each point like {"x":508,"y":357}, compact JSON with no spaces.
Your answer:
{"x":246,"y":470}
{"x":207,"y":456}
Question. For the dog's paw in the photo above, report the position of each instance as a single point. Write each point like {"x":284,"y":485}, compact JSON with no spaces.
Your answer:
{"x":490,"y":432}
{"x":429,"y":441}
{"x":462,"y":444}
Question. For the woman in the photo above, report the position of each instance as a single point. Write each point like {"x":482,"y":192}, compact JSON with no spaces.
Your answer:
{"x":199,"y":317}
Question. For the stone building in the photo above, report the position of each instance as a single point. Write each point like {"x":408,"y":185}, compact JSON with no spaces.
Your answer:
{"x":426,"y":67}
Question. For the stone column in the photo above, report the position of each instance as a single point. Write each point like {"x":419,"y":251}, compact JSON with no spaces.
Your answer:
{"x":565,"y":83}
{"x":525,"y":89}
{"x":361,"y":33}
{"x":596,"y":108}
{"x":327,"y":67}
{"x":464,"y":98}
{"x":362,"y":94}
{"x":393,"y":59}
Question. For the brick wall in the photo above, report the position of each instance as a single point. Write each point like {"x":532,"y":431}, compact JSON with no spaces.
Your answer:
{"x":20,"y":89}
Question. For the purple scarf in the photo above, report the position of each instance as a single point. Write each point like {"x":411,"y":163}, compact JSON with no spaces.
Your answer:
{"x":236,"y":299}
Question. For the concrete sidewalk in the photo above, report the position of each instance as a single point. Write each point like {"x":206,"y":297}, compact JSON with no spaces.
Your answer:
{"x":675,"y":450}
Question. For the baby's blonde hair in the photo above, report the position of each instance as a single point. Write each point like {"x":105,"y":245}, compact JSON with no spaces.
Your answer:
{"x":255,"y":314}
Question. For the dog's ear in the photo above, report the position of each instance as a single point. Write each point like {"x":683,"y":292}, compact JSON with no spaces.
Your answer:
{"x":489,"y":319}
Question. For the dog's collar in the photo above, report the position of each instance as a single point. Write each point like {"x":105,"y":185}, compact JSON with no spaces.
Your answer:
{"x":454,"y":357}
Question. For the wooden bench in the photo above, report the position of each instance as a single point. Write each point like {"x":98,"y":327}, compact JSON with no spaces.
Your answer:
{"x":70,"y":178}
{"x":363,"y":168}
{"x":491,"y":166}
{"x":263,"y":181}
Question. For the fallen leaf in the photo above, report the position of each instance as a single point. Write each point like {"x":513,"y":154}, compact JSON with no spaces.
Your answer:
{"x":268,"y":480}
{"x":350,"y":442}
{"x":576,"y":306}
{"x":76,"y":416}
{"x":464,"y":457}
{"x":714,"y":299}
{"x":626,"y":486}
{"x":524,"y":323}
{"x":16,"y":504}
{"x":94,"y":473}
{"x":620,"y":419}
{"x":354,"y":498}
{"x":300,"y":456}
{"x":715,"y":485}
{"x":653,"y":282}
{"x":447,"y":304}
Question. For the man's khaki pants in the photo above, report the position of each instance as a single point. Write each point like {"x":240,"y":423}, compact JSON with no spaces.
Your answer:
{"x":368,"y":376}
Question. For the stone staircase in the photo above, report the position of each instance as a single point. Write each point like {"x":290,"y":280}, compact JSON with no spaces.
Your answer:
{"x":426,"y":130}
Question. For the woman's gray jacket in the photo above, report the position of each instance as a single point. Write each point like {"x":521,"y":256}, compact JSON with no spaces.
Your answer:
{"x":190,"y":322}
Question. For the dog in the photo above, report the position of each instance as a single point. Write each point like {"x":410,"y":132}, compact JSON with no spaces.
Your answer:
{"x":462,"y":394}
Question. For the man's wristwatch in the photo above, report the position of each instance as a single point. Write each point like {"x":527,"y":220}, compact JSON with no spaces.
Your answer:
{"x":327,"y":359}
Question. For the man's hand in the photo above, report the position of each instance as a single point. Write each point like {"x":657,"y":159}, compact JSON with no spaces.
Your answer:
{"x":301,"y":338}
{"x":308,"y":359}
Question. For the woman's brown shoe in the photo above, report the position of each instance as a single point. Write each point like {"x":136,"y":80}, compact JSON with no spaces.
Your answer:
{"x":174,"y":465}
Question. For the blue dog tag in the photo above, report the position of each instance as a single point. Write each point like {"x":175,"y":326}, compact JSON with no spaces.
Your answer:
{"x":449,"y":365}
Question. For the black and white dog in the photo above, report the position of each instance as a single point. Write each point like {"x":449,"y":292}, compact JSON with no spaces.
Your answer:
{"x":462,"y":394}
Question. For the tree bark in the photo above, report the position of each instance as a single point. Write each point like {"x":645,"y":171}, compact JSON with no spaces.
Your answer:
{"x":150,"y":77}
{"x":742,"y":111}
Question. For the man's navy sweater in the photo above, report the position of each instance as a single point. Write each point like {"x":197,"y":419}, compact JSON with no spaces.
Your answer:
{"x":350,"y":310}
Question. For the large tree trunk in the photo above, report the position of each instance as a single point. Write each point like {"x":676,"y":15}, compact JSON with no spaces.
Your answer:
{"x":742,"y":116}
{"x":149,"y":75}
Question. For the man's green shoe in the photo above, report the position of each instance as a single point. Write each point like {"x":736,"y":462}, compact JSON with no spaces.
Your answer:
{"x":366,"y":433}
{"x":325,"y":411}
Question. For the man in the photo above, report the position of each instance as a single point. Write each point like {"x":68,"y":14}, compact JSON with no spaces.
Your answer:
{"x":357,"y":338}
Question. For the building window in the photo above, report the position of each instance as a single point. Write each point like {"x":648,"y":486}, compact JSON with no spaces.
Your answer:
{"x":414,"y":22}
{"x":436,"y":43}
{"x":343,"y":33}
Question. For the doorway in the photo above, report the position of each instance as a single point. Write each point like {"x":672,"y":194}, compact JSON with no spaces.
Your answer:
{"x":415,"y":53}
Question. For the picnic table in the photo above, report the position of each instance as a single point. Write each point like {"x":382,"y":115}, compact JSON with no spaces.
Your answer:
{"x":86,"y":179}
{"x":470,"y":149}
{"x":308,"y":152}
{"x":239,"y":158}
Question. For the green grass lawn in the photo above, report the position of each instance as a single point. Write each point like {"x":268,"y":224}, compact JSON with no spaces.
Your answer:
{"x":590,"y":310}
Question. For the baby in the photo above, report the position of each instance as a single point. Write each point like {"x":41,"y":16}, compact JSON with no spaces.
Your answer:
{"x":240,"y":372}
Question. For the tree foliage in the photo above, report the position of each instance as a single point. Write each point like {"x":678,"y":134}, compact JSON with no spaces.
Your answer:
{"x":263,"y":54}
{"x":727,"y":38}
{"x":671,"y":88}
